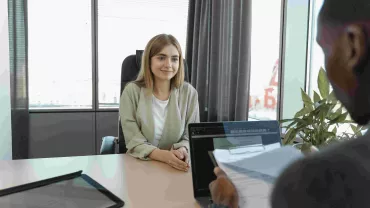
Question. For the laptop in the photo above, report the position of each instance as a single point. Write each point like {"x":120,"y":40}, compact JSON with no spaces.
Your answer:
{"x":233,"y":136}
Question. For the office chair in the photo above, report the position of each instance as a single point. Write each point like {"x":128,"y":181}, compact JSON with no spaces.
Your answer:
{"x":129,"y":71}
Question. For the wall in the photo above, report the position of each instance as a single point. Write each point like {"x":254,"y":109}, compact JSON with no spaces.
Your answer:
{"x":5,"y":115}
{"x":64,"y":134}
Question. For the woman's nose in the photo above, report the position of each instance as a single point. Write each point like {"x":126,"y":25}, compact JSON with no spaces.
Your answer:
{"x":168,"y":63}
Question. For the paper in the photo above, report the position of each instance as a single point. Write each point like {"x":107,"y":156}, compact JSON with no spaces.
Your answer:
{"x":270,"y":162}
{"x":254,"y":174}
{"x":233,"y":155}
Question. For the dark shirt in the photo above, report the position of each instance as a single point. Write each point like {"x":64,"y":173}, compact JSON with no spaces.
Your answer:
{"x":338,"y":176}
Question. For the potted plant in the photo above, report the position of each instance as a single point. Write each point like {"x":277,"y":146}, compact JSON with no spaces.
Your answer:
{"x":317,"y":123}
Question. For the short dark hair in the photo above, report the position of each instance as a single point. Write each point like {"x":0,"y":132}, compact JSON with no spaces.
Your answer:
{"x":338,"y":12}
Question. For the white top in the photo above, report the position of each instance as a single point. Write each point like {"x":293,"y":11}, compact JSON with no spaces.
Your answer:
{"x":159,"y":108}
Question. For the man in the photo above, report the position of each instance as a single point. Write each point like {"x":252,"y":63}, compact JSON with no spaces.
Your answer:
{"x":340,"y":175}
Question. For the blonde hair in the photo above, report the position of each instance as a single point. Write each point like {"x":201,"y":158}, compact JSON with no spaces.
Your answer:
{"x":154,"y":46}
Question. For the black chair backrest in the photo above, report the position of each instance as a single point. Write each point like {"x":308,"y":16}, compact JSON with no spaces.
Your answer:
{"x":129,"y":71}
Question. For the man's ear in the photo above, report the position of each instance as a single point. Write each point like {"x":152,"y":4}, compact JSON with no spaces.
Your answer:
{"x":356,"y":43}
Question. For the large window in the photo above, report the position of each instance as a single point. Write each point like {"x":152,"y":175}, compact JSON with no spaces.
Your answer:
{"x":265,"y":59}
{"x":125,"y":26}
{"x":59,"y":54}
{"x":61,"y":46}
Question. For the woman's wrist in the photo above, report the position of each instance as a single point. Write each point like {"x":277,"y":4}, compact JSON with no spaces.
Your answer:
{"x":157,"y":154}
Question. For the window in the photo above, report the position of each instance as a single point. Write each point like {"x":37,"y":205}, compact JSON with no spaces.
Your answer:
{"x":296,"y":19}
{"x":125,"y":26}
{"x":265,"y":59}
{"x":316,"y":58}
{"x":59,"y":49}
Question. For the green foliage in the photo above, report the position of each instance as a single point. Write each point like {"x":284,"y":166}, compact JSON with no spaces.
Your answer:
{"x":318,"y":121}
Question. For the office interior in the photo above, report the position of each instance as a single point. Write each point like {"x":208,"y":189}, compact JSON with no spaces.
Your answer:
{"x":61,"y":64}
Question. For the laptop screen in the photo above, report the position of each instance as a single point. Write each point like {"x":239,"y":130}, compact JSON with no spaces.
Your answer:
{"x":234,"y":137}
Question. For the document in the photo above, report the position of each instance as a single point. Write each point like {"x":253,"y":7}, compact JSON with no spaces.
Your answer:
{"x":236,"y":154}
{"x":254,"y":173}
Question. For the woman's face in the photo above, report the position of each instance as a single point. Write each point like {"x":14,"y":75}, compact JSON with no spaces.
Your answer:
{"x":165,"y":64}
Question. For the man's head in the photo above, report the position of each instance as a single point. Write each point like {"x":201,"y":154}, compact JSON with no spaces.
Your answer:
{"x":344,"y":36}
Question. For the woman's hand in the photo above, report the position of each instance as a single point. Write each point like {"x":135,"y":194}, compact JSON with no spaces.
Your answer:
{"x":182,"y":154}
{"x":170,"y":158}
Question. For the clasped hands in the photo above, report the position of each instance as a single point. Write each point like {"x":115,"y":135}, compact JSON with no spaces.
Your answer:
{"x":178,"y":159}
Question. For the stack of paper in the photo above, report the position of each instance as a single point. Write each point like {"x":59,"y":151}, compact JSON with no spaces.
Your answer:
{"x":253,"y":173}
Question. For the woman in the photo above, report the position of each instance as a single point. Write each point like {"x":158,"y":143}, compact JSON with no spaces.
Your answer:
{"x":156,"y":109}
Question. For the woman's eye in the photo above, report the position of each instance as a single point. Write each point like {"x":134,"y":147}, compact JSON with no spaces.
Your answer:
{"x":161,"y":58}
{"x":175,"y":59}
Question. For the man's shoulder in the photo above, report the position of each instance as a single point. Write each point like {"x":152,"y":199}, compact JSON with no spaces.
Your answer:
{"x":355,"y":149}
{"x":352,"y":152}
{"x":324,"y":176}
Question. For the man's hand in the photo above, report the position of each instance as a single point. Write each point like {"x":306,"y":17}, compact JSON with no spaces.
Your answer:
{"x":182,"y":154}
{"x":223,"y":190}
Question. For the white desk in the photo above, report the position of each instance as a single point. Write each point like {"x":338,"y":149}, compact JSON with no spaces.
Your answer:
{"x":138,"y":183}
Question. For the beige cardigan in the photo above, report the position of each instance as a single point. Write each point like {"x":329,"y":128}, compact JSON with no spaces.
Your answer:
{"x":137,"y":119}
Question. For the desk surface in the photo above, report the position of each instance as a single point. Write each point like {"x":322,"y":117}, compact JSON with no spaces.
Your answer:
{"x":138,"y":183}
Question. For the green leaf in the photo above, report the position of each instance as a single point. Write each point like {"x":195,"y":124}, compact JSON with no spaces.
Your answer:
{"x":306,"y":147}
{"x":285,"y":120}
{"x":335,"y":130}
{"x":316,"y":97}
{"x":308,"y":119}
{"x":291,"y":124}
{"x":302,"y":112}
{"x":333,"y":115}
{"x":332,"y":106}
{"x":339,"y":110}
{"x":339,"y":119}
{"x":303,"y":122}
{"x":346,"y":121}
{"x":289,"y":136}
{"x":332,"y":97}
{"x":358,"y":127}
{"x":309,"y":106}
{"x":356,"y":130}
{"x":327,"y":135}
{"x":342,"y":117}
{"x":323,"y":112}
{"x":323,"y":83}
{"x":305,"y":98}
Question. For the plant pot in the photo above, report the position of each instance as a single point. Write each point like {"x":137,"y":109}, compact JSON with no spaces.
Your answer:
{"x":306,"y":148}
